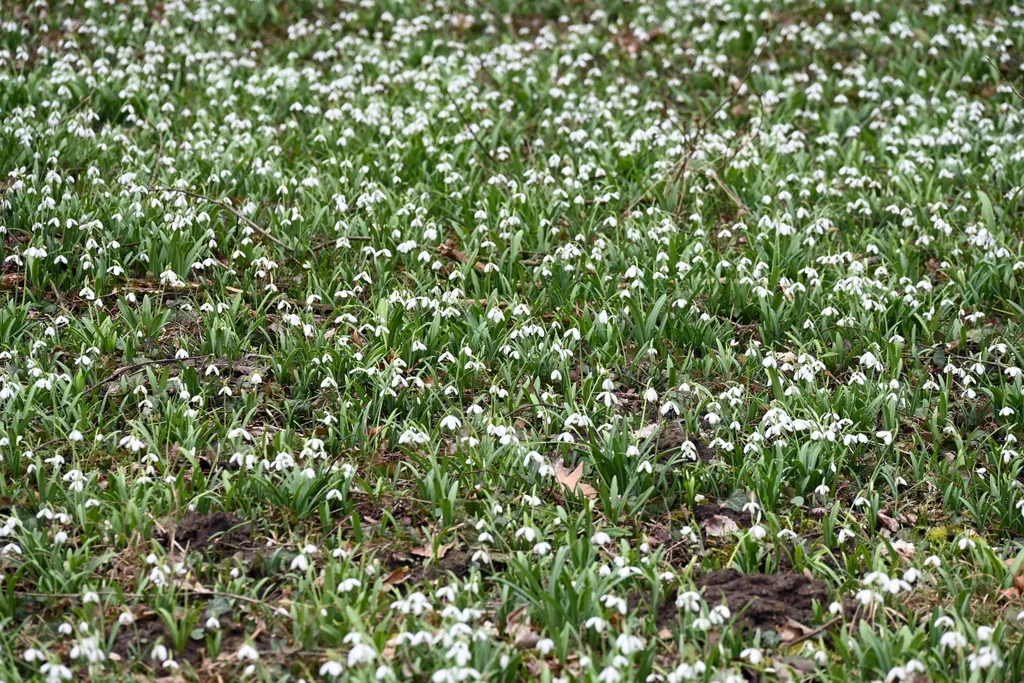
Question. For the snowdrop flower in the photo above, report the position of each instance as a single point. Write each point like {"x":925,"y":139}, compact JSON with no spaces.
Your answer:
{"x":451,"y":423}
{"x":952,"y":640}
{"x":984,"y":658}
{"x":331,"y":669}
{"x":360,"y":654}
{"x":247,"y":653}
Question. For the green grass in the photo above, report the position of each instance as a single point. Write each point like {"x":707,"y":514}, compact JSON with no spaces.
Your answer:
{"x":512,"y":340}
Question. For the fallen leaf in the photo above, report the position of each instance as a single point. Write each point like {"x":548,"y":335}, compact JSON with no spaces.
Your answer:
{"x":719,"y":526}
{"x":1018,"y":580}
{"x":388,"y":653}
{"x":517,"y":628}
{"x":570,"y":481}
{"x":665,"y":634}
{"x":647,"y":431}
{"x":792,"y":630}
{"x":888,"y":522}
{"x":428,"y":551}
{"x":398,"y":576}
{"x":904,"y":549}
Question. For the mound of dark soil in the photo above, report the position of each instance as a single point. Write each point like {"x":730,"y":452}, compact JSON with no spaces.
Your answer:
{"x":217,"y":530}
{"x":765,"y":601}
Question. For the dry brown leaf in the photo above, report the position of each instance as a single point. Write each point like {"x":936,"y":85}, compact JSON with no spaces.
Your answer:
{"x":388,"y":653}
{"x":398,"y":576}
{"x":904,"y":549}
{"x":719,"y":526}
{"x":570,"y":481}
{"x":524,"y":637}
{"x":665,"y":634}
{"x":1018,"y":580}
{"x":518,"y":630}
{"x":646,"y":431}
{"x":888,"y":522}
{"x":792,"y":630}
{"x":428,"y":551}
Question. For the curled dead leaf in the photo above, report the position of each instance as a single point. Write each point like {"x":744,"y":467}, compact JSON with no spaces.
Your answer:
{"x":398,"y":576}
{"x":888,"y":522}
{"x":1017,"y":589}
{"x":646,"y":431}
{"x":793,"y":630}
{"x":570,"y":481}
{"x":428,"y":551}
{"x":719,"y":526}
{"x":519,"y":631}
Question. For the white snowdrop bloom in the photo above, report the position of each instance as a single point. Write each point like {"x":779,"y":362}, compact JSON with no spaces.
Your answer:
{"x":331,"y":669}
{"x":669,"y":407}
{"x":361,"y":654}
{"x":952,"y":640}
{"x":451,"y":423}
{"x":868,"y":597}
{"x":984,"y":658}
{"x":247,"y":653}
{"x":348,"y":585}
{"x":719,"y":614}
{"x":869,"y":361}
